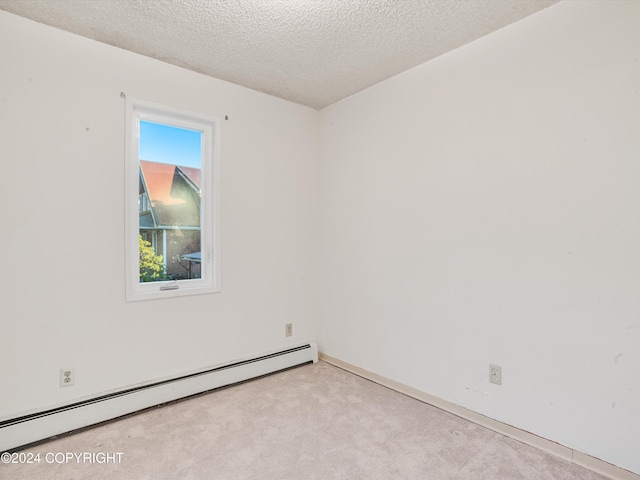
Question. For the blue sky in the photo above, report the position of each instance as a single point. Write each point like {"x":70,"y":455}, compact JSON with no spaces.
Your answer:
{"x":166,"y":144}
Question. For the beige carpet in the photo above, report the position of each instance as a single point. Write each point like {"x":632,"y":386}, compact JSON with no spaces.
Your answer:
{"x":312,"y":422}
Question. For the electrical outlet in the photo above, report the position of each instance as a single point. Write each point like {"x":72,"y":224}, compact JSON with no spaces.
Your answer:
{"x":495,"y":374}
{"x":288,"y":329}
{"x":67,"y":376}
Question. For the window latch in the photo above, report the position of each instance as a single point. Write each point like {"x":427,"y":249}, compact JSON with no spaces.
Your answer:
{"x":170,"y":286}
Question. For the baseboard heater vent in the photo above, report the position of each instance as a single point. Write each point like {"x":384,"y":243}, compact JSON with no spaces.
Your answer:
{"x":27,"y":429}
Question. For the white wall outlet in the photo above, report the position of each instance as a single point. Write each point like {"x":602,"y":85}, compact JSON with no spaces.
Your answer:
{"x":67,"y":376}
{"x":495,"y":374}
{"x":288,"y":329}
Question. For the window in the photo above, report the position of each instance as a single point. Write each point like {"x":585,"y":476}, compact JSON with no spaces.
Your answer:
{"x":171,"y":198}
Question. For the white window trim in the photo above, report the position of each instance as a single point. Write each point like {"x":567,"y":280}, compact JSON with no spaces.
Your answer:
{"x":210,"y":282}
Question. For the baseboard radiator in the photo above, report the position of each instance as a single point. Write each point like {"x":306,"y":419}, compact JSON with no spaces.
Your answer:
{"x":34,"y":427}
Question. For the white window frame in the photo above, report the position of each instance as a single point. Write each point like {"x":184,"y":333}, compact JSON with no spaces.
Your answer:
{"x":210,"y":282}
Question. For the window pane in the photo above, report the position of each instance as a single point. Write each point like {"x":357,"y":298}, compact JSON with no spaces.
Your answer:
{"x":172,"y":197}
{"x":170,"y":202}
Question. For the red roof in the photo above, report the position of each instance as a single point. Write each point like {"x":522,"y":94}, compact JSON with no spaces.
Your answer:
{"x":192,"y":173}
{"x":165,"y":187}
{"x":158,"y":179}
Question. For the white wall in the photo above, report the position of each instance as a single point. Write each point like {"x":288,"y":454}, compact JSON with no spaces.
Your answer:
{"x":480,"y":208}
{"x":62,"y":293}
{"x":484,"y":208}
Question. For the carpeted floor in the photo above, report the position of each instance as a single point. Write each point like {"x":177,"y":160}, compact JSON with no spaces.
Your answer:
{"x":311,"y":422}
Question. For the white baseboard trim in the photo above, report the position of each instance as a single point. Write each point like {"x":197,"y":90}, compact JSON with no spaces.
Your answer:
{"x":553,"y":448}
{"x":24,"y":430}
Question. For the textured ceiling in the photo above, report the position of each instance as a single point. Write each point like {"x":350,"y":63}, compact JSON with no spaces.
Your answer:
{"x":313,"y":52}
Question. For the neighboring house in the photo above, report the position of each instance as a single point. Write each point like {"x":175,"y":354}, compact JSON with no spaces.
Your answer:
{"x":169,"y":206}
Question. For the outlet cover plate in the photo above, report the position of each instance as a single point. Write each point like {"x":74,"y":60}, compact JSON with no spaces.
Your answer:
{"x":495,"y":374}
{"x":67,"y":376}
